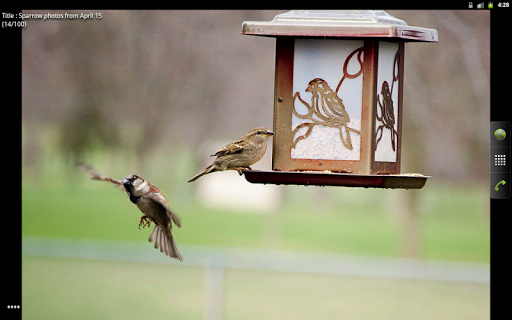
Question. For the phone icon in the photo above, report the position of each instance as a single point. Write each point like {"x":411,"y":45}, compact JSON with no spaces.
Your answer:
{"x":501,"y":183}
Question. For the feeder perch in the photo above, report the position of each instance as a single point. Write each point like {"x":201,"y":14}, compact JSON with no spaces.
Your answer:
{"x":338,"y":98}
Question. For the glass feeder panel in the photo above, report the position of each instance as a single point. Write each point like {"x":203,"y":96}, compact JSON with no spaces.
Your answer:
{"x":386,"y":124}
{"x":327,"y":98}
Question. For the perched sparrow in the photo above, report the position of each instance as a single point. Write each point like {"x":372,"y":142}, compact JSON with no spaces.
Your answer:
{"x":153,"y":205}
{"x":240,"y":154}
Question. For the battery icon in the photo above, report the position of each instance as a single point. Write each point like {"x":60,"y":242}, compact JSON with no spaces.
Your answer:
{"x":489,"y":5}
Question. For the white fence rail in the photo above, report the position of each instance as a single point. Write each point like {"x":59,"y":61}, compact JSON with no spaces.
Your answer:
{"x":253,"y":259}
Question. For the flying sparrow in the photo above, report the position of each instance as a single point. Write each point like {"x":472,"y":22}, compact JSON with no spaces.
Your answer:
{"x":153,"y":205}
{"x":240,"y":154}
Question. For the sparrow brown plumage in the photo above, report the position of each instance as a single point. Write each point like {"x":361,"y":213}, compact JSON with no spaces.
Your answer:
{"x":153,"y":205}
{"x":240,"y":154}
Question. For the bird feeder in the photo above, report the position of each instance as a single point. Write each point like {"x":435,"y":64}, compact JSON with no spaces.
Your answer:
{"x":338,"y":98}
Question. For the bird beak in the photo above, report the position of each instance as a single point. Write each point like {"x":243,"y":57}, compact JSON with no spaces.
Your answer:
{"x":269,"y":133}
{"x":128,"y":186}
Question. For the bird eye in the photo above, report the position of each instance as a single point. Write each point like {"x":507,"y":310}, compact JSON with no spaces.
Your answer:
{"x":259,"y":132}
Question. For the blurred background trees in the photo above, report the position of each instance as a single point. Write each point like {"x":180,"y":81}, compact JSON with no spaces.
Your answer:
{"x":140,"y":80}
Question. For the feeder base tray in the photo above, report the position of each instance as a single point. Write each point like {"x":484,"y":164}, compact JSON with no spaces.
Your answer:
{"x":393,"y":181}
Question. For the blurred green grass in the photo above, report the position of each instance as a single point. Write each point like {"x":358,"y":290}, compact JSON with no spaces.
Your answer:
{"x":55,"y":288}
{"x":86,"y":289}
{"x":454,"y":221}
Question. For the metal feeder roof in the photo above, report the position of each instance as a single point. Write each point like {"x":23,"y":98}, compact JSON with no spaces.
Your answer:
{"x":339,"y":23}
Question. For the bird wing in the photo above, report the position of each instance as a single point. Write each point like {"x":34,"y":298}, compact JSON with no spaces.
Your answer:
{"x":234,"y":147}
{"x":95,"y":175}
{"x":158,"y":200}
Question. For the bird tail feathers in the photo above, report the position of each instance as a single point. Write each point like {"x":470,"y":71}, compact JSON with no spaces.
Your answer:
{"x":164,"y":241}
{"x":209,"y":169}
